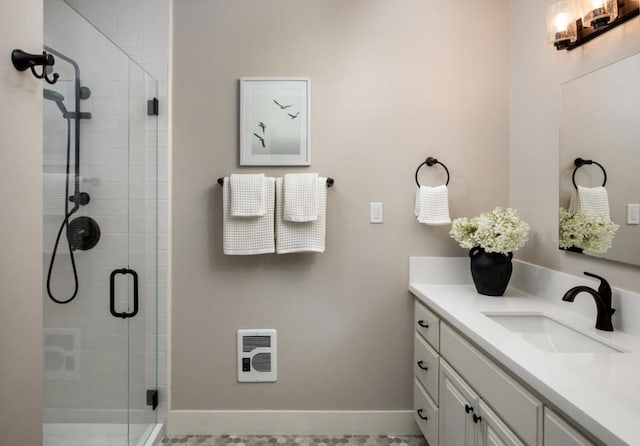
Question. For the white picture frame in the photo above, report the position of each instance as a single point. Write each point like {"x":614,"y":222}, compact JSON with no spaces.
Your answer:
{"x":275,"y":121}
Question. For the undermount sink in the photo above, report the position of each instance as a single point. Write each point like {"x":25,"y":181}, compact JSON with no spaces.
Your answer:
{"x":550,"y":335}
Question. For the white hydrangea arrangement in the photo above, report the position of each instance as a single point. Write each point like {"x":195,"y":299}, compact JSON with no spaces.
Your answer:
{"x":589,"y":233}
{"x":498,"y":231}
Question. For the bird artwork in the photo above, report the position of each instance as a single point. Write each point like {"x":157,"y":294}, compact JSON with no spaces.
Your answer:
{"x":262,"y":126}
{"x":293,"y":116}
{"x":283,"y":107}
{"x":261,"y":139}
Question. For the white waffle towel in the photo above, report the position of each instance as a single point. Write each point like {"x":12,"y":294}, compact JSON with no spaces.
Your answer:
{"x":432,"y":205}
{"x":247,"y":195}
{"x":301,"y":197}
{"x":301,"y":236}
{"x":591,"y":201}
{"x":248,"y":235}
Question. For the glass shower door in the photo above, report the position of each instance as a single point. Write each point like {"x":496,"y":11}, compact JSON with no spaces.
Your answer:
{"x":100,"y":353}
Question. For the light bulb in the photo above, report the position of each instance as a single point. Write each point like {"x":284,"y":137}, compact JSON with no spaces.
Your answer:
{"x":561,"y":22}
{"x":597,"y":4}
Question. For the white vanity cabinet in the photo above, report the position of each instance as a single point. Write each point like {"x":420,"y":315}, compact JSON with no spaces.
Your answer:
{"x":462,"y":398}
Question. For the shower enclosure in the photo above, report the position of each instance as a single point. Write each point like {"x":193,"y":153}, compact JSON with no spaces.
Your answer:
{"x":100,"y":257}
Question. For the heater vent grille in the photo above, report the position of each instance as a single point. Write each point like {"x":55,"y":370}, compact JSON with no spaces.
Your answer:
{"x":250,"y":343}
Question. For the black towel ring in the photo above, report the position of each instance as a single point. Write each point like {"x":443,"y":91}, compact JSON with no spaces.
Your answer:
{"x":430,"y":162}
{"x":579,"y":162}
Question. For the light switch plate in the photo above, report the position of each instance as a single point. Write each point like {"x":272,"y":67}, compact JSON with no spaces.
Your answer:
{"x":376,"y":213}
{"x":633,"y":214}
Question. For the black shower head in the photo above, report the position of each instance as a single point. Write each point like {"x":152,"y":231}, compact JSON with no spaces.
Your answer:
{"x":52,"y":95}
{"x":57,"y":98}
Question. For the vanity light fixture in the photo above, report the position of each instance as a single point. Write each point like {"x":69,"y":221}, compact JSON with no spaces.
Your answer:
{"x":572,"y":23}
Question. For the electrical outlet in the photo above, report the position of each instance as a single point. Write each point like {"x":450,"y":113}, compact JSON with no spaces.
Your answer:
{"x":375,"y":212}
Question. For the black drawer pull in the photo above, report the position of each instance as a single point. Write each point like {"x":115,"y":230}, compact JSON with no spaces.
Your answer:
{"x":468,"y":408}
{"x":423,"y":324}
{"x":476,"y":418}
{"x":112,"y":293}
{"x":422,"y":366}
{"x":423,"y":417}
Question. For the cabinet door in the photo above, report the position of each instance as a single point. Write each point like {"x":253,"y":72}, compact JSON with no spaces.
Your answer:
{"x":491,"y":430}
{"x":458,"y":404}
{"x":558,"y":433}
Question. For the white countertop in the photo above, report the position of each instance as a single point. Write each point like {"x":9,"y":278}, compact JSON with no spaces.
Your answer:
{"x":600,"y":391}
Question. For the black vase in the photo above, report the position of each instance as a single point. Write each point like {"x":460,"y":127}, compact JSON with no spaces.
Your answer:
{"x":490,"y":271}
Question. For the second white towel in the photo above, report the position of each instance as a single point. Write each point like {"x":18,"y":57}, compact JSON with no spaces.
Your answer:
{"x":300,"y":197}
{"x":301,"y":236}
{"x":432,"y":205}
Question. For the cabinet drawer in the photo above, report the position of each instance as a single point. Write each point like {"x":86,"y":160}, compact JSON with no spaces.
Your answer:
{"x":425,"y":408}
{"x":426,"y":357}
{"x":427,"y":324}
{"x":558,"y":432}
{"x":513,"y":403}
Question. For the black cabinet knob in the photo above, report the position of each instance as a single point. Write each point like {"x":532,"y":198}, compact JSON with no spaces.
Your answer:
{"x":423,"y":324}
{"x":476,"y":418}
{"x":422,"y":366}
{"x":468,"y":408}
{"x":423,"y":417}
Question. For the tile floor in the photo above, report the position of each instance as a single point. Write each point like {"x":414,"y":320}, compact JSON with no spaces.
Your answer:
{"x":294,"y":440}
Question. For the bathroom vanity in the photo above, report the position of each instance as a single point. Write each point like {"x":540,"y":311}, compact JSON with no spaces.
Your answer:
{"x":522,"y":369}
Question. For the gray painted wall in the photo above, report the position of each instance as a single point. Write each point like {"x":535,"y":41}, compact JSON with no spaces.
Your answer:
{"x":20,"y":229}
{"x":537,"y":71}
{"x":392,"y":83}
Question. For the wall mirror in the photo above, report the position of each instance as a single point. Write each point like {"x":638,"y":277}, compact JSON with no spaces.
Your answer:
{"x":600,"y":123}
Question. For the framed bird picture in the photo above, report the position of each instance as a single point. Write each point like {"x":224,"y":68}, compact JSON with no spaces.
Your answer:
{"x":275,"y":121}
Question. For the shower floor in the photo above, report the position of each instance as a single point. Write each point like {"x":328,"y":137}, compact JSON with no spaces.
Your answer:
{"x":294,"y":440}
{"x":96,"y":434}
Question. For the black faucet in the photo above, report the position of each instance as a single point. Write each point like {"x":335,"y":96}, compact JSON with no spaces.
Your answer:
{"x":602,"y":298}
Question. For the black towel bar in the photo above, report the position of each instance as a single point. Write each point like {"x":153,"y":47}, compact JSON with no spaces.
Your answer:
{"x":430,"y":162}
{"x":330,"y":181}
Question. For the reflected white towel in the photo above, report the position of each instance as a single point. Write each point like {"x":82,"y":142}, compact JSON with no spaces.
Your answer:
{"x":432,"y":205}
{"x":594,"y":201}
{"x":248,"y":235}
{"x":301,"y":197}
{"x":54,"y":197}
{"x":301,"y":236}
{"x":247,"y":195}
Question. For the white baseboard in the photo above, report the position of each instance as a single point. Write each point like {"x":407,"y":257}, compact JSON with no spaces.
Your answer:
{"x":291,"y":422}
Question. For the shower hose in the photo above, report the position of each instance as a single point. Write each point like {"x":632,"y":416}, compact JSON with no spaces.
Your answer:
{"x":65,"y":225}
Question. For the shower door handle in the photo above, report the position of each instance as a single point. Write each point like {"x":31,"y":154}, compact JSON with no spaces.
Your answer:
{"x":112,"y":292}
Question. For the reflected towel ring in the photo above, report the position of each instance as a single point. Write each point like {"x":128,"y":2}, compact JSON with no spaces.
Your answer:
{"x":430,"y":162}
{"x":579,"y":162}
